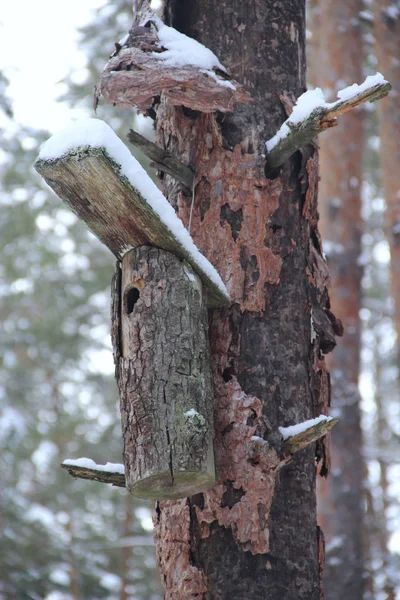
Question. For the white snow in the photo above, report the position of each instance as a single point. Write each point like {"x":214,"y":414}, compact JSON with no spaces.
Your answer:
{"x":354,"y":183}
{"x":257,"y":438}
{"x":111,"y":582}
{"x":123,"y":41}
{"x":88,"y":463}
{"x":191,"y":413}
{"x":145,"y":126}
{"x":306,"y":103}
{"x":190,"y":276}
{"x":392,"y":11}
{"x":97,"y":134}
{"x":288,"y":432}
{"x":313,"y":99}
{"x":353,"y":90}
{"x":366,"y":15}
{"x":223,"y":82}
{"x":183,"y":50}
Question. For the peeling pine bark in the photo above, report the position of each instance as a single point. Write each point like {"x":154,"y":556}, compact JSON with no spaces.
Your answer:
{"x":340,"y":495}
{"x":136,"y":76}
{"x":254,"y":534}
{"x":163,"y":371}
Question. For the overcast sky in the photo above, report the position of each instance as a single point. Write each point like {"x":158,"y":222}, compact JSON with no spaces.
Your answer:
{"x":38,"y":47}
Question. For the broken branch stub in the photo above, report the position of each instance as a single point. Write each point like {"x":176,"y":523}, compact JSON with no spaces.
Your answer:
{"x":309,"y":436}
{"x":321,"y":118}
{"x":78,"y":472}
{"x":161,"y":351}
{"x":163,"y":160}
{"x":136,"y":77}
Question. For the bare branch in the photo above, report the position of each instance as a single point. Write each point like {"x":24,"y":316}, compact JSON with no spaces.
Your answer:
{"x":163,"y":160}
{"x":309,"y":436}
{"x":321,"y":118}
{"x":116,"y":479}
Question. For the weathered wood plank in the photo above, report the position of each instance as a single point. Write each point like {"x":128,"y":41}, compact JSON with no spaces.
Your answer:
{"x":90,"y":183}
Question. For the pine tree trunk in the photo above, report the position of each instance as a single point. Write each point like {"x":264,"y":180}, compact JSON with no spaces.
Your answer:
{"x":387,"y":50}
{"x":254,"y":535}
{"x":337,"y":61}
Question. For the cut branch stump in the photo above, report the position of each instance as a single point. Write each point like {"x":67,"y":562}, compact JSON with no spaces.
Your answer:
{"x":163,"y":371}
{"x":162,"y":160}
{"x":319,"y":120}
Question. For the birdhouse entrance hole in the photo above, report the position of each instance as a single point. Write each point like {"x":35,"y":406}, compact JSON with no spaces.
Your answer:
{"x":132,"y":297}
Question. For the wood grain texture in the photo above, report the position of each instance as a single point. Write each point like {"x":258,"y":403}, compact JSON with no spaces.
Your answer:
{"x":163,"y":371}
{"x":91,"y":185}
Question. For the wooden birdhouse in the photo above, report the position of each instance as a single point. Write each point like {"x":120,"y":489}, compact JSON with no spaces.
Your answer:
{"x":161,"y":290}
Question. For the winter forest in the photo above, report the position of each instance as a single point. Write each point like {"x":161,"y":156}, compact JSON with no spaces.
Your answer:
{"x":63,"y":538}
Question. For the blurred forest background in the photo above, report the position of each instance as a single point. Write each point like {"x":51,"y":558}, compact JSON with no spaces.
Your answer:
{"x":62,"y":539}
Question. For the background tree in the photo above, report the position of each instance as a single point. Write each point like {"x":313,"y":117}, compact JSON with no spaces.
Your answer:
{"x":337,"y":61}
{"x":387,"y":37}
{"x":56,"y":402}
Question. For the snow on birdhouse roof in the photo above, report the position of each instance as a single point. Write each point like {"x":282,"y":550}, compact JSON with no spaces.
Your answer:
{"x":95,"y":133}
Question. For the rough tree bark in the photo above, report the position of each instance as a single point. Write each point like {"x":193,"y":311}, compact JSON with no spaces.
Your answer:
{"x":254,"y":535}
{"x":387,"y":49}
{"x":336,"y":60}
{"x":163,"y":374}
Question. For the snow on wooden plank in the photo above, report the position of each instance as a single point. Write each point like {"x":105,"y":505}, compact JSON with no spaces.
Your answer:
{"x":91,"y":169}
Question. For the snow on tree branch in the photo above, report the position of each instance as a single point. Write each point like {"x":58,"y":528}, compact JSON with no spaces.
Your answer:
{"x":297,"y":437}
{"x":153,"y":59}
{"x":312,"y":114}
{"x":86,"y":468}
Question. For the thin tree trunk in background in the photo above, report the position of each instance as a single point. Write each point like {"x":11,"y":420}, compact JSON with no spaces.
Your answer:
{"x":72,"y":562}
{"x":254,"y":535}
{"x":74,"y":571}
{"x":382,"y":435}
{"x":338,"y":63}
{"x":387,"y":50}
{"x":126,"y":550}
